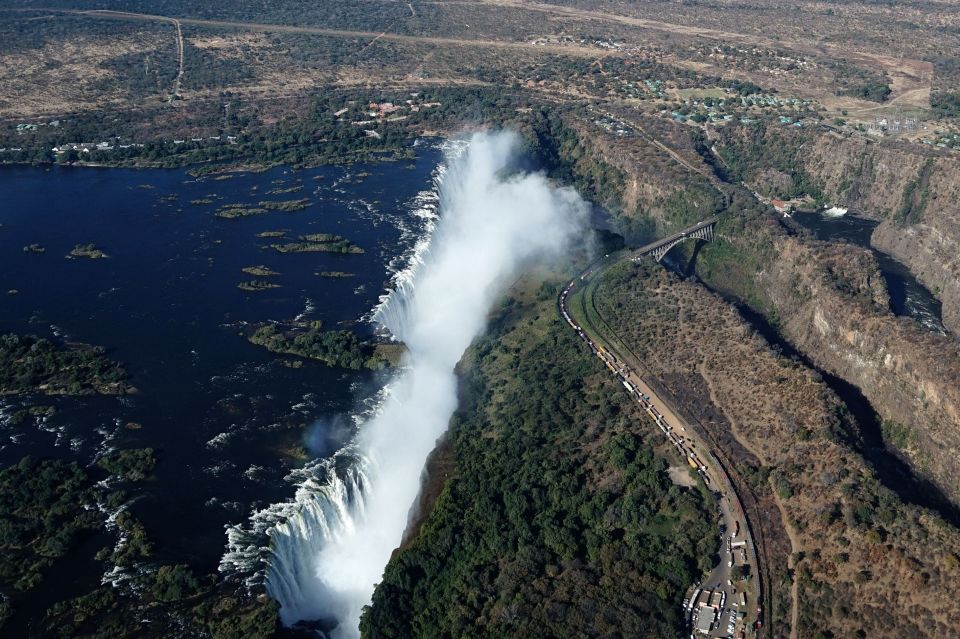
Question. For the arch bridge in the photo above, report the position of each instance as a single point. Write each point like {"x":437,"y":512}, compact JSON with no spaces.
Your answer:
{"x":700,"y":231}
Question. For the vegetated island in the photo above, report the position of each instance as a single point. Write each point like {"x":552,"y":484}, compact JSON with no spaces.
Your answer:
{"x":260,"y":271}
{"x":34,"y":248}
{"x":340,"y":348}
{"x":283,"y":190}
{"x":271,"y":234}
{"x":335,"y":274}
{"x":89,"y":251}
{"x":33,"y":364}
{"x":319,"y":243}
{"x":231,"y":211}
{"x":257,"y":285}
{"x":49,"y":507}
{"x":39,"y":412}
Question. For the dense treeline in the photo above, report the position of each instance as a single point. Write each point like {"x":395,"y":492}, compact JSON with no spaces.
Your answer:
{"x":315,"y":136}
{"x":44,"y":507}
{"x":745,"y":152}
{"x":341,"y":348}
{"x":349,"y":14}
{"x":946,"y":103}
{"x":29,"y":363}
{"x":50,"y":508}
{"x":873,"y":91}
{"x":559,"y":520}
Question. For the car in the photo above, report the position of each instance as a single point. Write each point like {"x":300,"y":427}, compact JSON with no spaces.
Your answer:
{"x":729,"y":564}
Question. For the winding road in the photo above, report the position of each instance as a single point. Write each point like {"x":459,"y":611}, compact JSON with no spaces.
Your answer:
{"x":690,"y":440}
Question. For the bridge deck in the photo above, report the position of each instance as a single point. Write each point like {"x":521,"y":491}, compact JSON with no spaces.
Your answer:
{"x":653,"y":246}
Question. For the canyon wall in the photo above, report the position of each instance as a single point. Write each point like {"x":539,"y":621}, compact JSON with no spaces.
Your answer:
{"x":913,"y":190}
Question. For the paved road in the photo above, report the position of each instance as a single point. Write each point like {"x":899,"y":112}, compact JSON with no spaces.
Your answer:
{"x":683,"y":435}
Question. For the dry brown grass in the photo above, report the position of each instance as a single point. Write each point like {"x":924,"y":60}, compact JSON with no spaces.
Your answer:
{"x":854,"y":568}
{"x":69,"y":76}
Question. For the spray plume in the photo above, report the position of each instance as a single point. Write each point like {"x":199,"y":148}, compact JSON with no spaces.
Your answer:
{"x":327,"y":558}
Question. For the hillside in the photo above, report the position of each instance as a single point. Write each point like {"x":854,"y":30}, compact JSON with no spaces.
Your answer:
{"x":794,"y":442}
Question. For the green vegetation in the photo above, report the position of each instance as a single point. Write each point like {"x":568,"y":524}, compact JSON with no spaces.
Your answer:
{"x":745,"y":88}
{"x":319,"y":243}
{"x":748,"y":151}
{"x":897,"y":435}
{"x":284,"y":190}
{"x":233,"y":617}
{"x":45,"y":505}
{"x":560,"y":149}
{"x":49,"y":507}
{"x":874,"y":91}
{"x":136,"y":546}
{"x":259,"y":270}
{"x":233,"y":211}
{"x":131,"y":464}
{"x":86,"y":250}
{"x":558,"y":519}
{"x":34,"y":411}
{"x":31,"y":364}
{"x":286,"y":205}
{"x":334,"y":348}
{"x":257,"y":285}
{"x":946,"y":103}
{"x":272,"y":234}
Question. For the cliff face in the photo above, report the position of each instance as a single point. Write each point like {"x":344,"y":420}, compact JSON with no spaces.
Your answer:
{"x":660,"y":193}
{"x":830,"y":300}
{"x":832,"y":306}
{"x":916,"y":194}
{"x":860,"y":556}
{"x":912,"y":190}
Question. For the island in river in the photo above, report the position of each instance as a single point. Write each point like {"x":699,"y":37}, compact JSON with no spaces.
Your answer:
{"x":131,"y":542}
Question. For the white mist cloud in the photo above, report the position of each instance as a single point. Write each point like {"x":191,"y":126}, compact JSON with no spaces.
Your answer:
{"x":491,"y":226}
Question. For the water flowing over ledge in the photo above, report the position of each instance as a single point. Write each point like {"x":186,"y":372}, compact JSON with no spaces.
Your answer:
{"x":328,"y":547}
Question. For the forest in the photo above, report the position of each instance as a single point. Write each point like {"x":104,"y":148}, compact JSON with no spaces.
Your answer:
{"x":29,"y":363}
{"x":559,"y":518}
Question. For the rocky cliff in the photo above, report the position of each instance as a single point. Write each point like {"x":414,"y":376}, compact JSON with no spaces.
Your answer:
{"x":913,"y":190}
{"x":865,"y":563}
{"x":831,"y":304}
{"x":829,"y":300}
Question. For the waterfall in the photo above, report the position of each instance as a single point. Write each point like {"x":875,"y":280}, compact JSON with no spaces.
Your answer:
{"x":328,"y":547}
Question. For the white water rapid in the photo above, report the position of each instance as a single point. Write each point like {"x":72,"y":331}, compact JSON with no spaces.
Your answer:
{"x":329,"y":548}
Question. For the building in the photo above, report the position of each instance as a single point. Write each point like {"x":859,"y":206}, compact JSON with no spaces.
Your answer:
{"x":781,"y":206}
{"x":705,"y":618}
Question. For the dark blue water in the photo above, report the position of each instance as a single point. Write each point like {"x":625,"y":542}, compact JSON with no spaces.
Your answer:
{"x":221,"y":412}
{"x":908,"y":297}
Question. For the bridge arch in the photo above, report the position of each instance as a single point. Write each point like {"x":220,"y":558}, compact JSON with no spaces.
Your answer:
{"x":700,"y":231}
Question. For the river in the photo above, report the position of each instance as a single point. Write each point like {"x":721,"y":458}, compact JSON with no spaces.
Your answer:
{"x":227,"y":419}
{"x":908,"y":297}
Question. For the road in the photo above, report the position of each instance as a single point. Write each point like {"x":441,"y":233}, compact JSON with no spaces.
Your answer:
{"x":572,"y":50}
{"x":176,"y":83}
{"x":683,"y":435}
